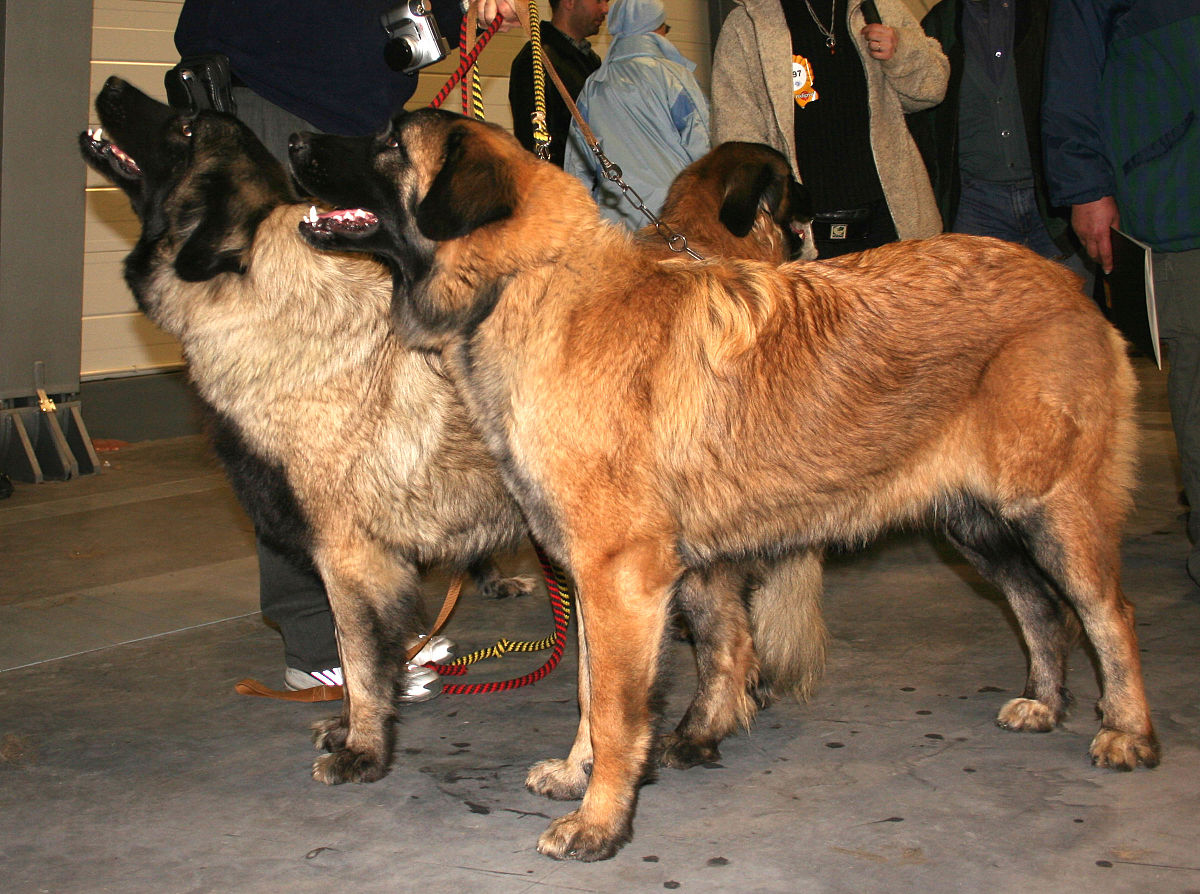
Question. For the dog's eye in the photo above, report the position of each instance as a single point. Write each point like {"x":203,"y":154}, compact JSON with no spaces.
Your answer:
{"x":185,"y":128}
{"x":392,"y":143}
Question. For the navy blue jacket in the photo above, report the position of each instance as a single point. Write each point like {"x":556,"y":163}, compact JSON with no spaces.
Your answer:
{"x":1121,"y":113}
{"x":319,"y":59}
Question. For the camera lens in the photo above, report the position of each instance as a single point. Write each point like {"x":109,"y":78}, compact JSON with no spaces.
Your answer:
{"x":398,"y":53}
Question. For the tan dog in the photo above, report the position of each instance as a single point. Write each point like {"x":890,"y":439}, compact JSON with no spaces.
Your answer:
{"x":738,"y":201}
{"x":348,"y":449}
{"x":655,"y":418}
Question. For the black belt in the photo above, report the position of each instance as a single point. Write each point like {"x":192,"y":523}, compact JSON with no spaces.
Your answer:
{"x":844,"y":225}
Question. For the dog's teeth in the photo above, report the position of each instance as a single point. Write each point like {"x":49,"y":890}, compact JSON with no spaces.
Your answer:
{"x":312,"y":214}
{"x":97,"y":134}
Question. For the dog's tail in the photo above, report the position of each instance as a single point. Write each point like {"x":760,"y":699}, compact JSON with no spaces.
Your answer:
{"x":789,"y":627}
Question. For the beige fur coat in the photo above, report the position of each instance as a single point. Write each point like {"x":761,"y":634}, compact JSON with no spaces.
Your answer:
{"x":752,"y":98}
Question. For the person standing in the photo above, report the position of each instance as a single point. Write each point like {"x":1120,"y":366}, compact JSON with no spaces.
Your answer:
{"x":829,"y":90}
{"x":646,"y":109}
{"x":565,"y":44}
{"x":983,"y":143}
{"x":1121,"y":128}
{"x":317,"y":66}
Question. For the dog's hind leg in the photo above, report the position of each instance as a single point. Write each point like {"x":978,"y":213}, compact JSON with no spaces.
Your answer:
{"x":726,"y":665}
{"x":375,"y":599}
{"x":1059,"y":446}
{"x":1080,"y":549}
{"x":996,"y":550}
{"x":625,"y":597}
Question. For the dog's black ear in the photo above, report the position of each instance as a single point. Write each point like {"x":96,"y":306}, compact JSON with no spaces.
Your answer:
{"x":221,"y":241}
{"x":472,"y":189}
{"x":207,"y":254}
{"x":747,"y":187}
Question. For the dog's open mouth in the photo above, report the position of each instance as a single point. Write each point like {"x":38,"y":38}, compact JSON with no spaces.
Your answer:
{"x":120,"y":161}
{"x":353,"y":223}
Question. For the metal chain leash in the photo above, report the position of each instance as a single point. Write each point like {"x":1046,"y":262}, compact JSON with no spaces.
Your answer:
{"x":677,"y":242}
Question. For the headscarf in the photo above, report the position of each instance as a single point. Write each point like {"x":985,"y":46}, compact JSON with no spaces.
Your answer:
{"x":630,"y":17}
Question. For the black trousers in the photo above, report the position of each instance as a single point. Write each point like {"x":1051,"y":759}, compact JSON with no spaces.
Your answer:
{"x":292,"y":597}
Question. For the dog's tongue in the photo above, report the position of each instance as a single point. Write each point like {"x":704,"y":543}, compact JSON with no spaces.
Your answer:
{"x":124,"y":157}
{"x":102,"y":143}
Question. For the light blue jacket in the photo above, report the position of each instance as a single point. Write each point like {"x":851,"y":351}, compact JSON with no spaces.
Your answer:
{"x":651,"y":118}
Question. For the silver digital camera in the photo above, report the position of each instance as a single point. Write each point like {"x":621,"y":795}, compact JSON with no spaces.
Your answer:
{"x":414,"y":40}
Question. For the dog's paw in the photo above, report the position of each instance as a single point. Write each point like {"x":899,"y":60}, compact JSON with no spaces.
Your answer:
{"x":680,"y":753}
{"x":1026,"y":715}
{"x":506,"y":587}
{"x":762,"y":694}
{"x":345,"y":765}
{"x":571,"y":837}
{"x":1117,"y":750}
{"x":330,"y":735}
{"x":559,"y":780}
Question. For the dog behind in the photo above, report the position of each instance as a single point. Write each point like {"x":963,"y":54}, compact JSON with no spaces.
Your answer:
{"x":762,"y":213}
{"x":658,"y":418}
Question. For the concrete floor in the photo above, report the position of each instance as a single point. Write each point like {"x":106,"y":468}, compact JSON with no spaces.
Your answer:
{"x":128,"y":610}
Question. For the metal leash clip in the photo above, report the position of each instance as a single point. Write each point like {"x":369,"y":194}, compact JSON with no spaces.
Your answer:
{"x":677,"y":242}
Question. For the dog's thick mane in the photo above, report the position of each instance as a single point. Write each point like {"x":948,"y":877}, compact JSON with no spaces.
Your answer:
{"x":326,"y":320}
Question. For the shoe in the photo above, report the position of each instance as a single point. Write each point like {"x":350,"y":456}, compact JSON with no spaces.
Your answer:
{"x":420,"y":685}
{"x":296,"y":679}
{"x":436,"y":650}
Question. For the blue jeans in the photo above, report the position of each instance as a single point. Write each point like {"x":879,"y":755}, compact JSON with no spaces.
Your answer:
{"x":1006,"y":211}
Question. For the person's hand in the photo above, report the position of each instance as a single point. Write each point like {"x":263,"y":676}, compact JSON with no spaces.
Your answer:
{"x":882,"y":41}
{"x":486,"y":10}
{"x":1091,"y":222}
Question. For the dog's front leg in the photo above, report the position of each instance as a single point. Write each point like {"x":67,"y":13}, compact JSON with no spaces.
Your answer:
{"x":626,"y":600}
{"x":567,"y":779}
{"x":374,"y":598}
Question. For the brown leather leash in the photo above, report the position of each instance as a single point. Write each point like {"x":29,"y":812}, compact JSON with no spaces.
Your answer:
{"x":251,"y":686}
{"x":334,"y":693}
{"x":677,"y":242}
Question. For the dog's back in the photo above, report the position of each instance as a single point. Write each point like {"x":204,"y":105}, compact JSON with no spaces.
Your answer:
{"x":959,"y":358}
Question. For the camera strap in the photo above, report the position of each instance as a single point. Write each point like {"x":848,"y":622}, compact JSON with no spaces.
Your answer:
{"x":466,"y":62}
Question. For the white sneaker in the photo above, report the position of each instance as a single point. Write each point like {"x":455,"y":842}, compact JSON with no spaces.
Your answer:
{"x":420,"y":685}
{"x":436,"y":650}
{"x":295,"y":679}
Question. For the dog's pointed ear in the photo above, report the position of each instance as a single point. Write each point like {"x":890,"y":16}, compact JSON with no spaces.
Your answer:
{"x":473,"y":188}
{"x":224,"y":234}
{"x":207,"y":253}
{"x":746,"y":190}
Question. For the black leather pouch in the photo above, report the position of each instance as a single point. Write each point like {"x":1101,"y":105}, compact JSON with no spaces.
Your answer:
{"x":201,"y":82}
